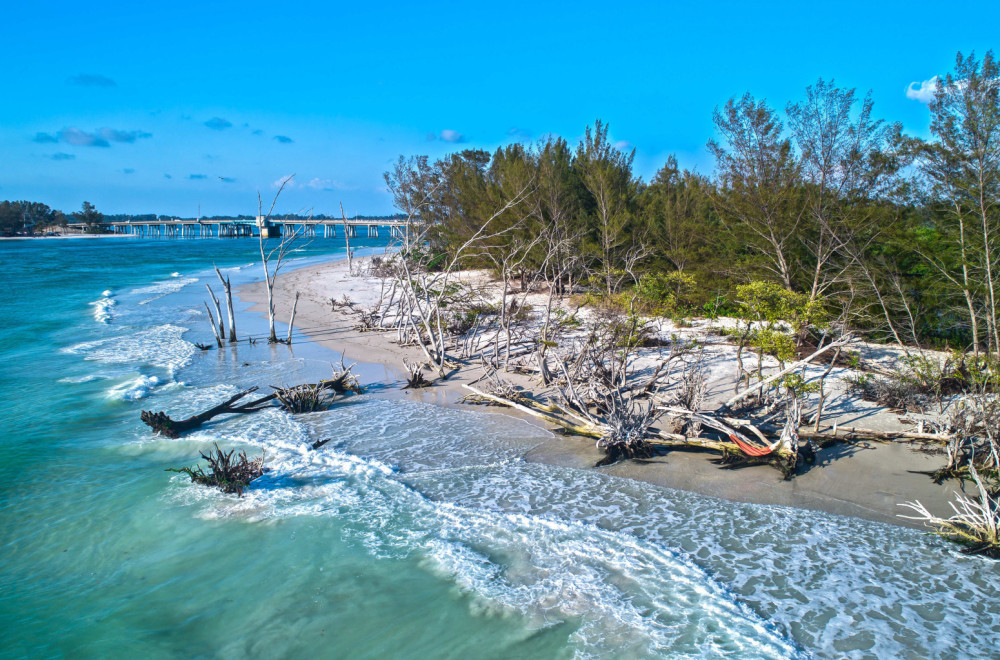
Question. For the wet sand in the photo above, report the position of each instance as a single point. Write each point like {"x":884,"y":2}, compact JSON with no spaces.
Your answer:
{"x":866,"y":480}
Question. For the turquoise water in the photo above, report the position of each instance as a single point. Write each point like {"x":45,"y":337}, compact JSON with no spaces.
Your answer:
{"x":418,"y":532}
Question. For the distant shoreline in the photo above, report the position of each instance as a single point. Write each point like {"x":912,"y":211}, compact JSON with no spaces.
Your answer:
{"x":64,"y":236}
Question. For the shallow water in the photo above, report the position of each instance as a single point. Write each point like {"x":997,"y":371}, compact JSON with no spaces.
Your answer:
{"x":417,"y":532}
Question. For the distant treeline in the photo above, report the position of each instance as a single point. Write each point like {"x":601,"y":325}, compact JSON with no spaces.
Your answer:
{"x":891,"y":234}
{"x":17,"y":216}
{"x":24,"y":217}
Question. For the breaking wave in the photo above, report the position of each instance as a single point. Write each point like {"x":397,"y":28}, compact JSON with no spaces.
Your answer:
{"x":103,"y":306}
{"x":159,"y":346}
{"x":163,"y":288}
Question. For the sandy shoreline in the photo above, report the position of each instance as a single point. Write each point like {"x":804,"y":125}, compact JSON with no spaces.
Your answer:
{"x":866,"y":480}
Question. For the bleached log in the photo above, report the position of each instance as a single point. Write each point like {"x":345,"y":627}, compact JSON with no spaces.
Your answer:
{"x":784,"y":372}
{"x":835,"y":433}
{"x":589,"y":430}
{"x":854,"y":433}
{"x":731,"y":421}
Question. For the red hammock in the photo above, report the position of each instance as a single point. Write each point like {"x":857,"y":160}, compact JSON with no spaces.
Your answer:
{"x":748,"y":449}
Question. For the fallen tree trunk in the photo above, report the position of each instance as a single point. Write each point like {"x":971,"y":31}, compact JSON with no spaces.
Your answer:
{"x":854,"y":433}
{"x":343,"y":381}
{"x":164,"y":425}
{"x":833,"y":433}
{"x":579,"y":429}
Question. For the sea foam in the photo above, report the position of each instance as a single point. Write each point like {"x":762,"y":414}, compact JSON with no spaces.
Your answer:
{"x":163,"y":288}
{"x":159,"y":346}
{"x":103,"y":306}
{"x":622,"y":592}
{"x":136,"y":389}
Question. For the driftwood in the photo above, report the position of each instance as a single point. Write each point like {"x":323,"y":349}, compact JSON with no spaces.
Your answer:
{"x":302,"y":398}
{"x":975,"y":523}
{"x":343,"y":381}
{"x":415,"y":378}
{"x":164,"y":425}
{"x":225,"y":473}
{"x":784,"y":372}
{"x":310,"y":397}
{"x":547,"y":413}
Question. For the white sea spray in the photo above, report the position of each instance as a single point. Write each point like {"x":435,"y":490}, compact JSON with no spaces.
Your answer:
{"x":103,"y":307}
{"x":159,"y":346}
{"x":163,"y":288}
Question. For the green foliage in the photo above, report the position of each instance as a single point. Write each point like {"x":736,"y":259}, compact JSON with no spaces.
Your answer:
{"x":811,"y":206}
{"x":772,"y":342}
{"x":798,"y":386}
{"x":771,"y":303}
{"x":90,"y":216}
{"x":27,"y":216}
{"x":663,"y":294}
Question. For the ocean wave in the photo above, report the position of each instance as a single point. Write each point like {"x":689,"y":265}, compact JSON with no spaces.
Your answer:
{"x":632,"y":569}
{"x":163,"y":288}
{"x":103,"y":306}
{"x":136,"y":389}
{"x":842,"y":586}
{"x":625,"y":595}
{"x":81,"y":379}
{"x":159,"y":346}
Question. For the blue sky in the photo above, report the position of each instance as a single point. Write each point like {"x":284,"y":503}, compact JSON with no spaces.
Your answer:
{"x":164,"y":107}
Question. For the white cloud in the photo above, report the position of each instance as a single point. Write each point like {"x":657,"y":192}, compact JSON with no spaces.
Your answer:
{"x":448,"y":135}
{"x":922,"y":91}
{"x":329,"y":185}
{"x":623,"y":145}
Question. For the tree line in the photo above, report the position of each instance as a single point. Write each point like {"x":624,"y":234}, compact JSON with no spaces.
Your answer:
{"x":26,"y":218}
{"x":893,"y":235}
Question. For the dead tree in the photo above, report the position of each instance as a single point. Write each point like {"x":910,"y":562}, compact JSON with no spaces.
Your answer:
{"x":424,"y":290}
{"x":627,"y":422}
{"x":228,"y":290}
{"x":975,"y":523}
{"x":347,"y":241}
{"x":302,"y":398}
{"x":161,"y":423}
{"x":228,"y":475}
{"x":291,"y":319}
{"x":218,"y":312}
{"x":273,"y":259}
{"x":342,"y":381}
{"x":415,"y":376}
{"x":215,"y":328}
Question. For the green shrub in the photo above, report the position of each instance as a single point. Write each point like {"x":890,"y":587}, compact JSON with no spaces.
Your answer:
{"x":664,"y":294}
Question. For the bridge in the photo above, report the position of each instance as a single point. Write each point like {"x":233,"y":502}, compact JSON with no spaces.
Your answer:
{"x":236,"y":227}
